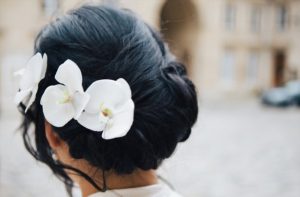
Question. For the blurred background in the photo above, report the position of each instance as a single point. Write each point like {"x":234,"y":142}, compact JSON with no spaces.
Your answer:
{"x":243,"y":56}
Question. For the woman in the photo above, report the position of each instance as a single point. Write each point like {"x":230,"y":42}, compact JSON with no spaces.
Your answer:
{"x":108,"y":102}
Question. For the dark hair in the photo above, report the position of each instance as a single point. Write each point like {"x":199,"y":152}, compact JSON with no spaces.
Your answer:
{"x":110,"y":43}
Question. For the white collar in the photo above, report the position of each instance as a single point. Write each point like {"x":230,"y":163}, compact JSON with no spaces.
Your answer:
{"x":156,"y":190}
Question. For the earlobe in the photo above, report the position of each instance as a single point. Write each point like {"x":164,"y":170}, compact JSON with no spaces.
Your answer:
{"x":53,"y":139}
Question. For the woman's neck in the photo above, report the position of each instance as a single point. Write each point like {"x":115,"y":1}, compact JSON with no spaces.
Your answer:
{"x":138,"y":178}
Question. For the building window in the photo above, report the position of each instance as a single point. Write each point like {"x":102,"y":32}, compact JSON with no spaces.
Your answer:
{"x":228,"y":68}
{"x":255,"y":19}
{"x":230,"y":17}
{"x":252,"y":67}
{"x":50,"y":7}
{"x":281,"y":18}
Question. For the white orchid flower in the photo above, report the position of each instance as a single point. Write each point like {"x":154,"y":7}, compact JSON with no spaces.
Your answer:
{"x":65,"y":101}
{"x":110,"y":108}
{"x":31,"y":75}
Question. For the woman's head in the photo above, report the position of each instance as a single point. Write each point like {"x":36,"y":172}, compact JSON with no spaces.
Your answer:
{"x":109,"y":43}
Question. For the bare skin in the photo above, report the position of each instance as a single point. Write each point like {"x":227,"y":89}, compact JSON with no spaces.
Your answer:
{"x":138,"y":178}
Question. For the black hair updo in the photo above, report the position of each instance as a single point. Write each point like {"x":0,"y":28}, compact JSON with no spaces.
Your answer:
{"x":111,"y":43}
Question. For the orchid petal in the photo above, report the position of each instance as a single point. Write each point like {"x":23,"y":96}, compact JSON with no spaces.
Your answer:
{"x":91,"y":121}
{"x":125,"y":87}
{"x":44,"y":66}
{"x":32,"y":73}
{"x":28,"y":77}
{"x":19,"y":72}
{"x":32,"y":98}
{"x":80,"y":100}
{"x":121,"y":122}
{"x":69,"y":74}
{"x":104,"y":91}
{"x":56,"y":112}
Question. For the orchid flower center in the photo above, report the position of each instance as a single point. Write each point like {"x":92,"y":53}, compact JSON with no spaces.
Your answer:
{"x":66,"y":98}
{"x":106,"y":115}
{"x":105,"y":111}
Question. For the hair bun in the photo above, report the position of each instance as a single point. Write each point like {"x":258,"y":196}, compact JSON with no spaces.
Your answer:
{"x":174,"y":67}
{"x":181,"y":87}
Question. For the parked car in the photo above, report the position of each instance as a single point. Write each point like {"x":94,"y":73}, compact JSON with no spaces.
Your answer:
{"x":283,"y":96}
{"x":293,"y":88}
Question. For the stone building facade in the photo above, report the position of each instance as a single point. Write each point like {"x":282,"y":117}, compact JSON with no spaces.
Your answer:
{"x":231,"y":47}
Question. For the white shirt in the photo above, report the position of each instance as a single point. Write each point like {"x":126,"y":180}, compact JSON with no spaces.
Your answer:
{"x":156,"y":190}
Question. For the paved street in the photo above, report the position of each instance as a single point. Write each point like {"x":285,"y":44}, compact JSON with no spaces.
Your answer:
{"x":236,"y":150}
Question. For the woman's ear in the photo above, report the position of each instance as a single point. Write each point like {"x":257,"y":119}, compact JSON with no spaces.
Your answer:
{"x":53,"y":139}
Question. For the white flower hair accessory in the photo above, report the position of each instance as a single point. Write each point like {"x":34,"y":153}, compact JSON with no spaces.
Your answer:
{"x":110,"y":108}
{"x":106,"y":106}
{"x":65,"y":101}
{"x":31,"y":75}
